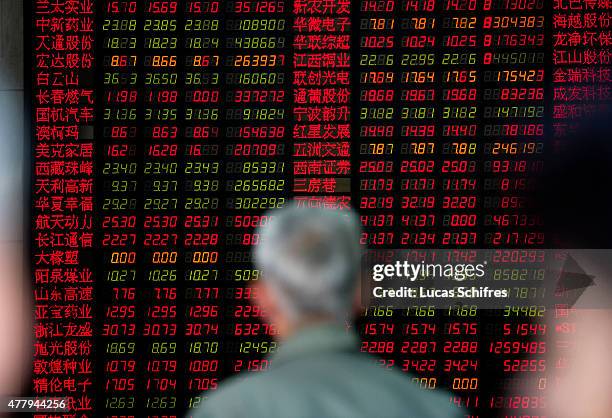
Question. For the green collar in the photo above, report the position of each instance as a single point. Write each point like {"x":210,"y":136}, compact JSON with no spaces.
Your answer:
{"x":316,"y":339}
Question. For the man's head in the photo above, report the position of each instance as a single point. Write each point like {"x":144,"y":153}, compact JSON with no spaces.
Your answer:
{"x":310,"y":260}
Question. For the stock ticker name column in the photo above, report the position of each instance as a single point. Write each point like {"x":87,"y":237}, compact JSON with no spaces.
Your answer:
{"x":321,"y":83}
{"x":63,"y":203}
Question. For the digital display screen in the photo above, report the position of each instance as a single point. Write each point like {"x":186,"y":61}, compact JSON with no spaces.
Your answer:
{"x":162,"y":131}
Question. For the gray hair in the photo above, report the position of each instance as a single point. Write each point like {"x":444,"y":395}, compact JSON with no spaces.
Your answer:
{"x":311,"y":258}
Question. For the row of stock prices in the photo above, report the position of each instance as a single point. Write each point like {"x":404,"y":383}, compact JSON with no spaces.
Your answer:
{"x":162,"y":131}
